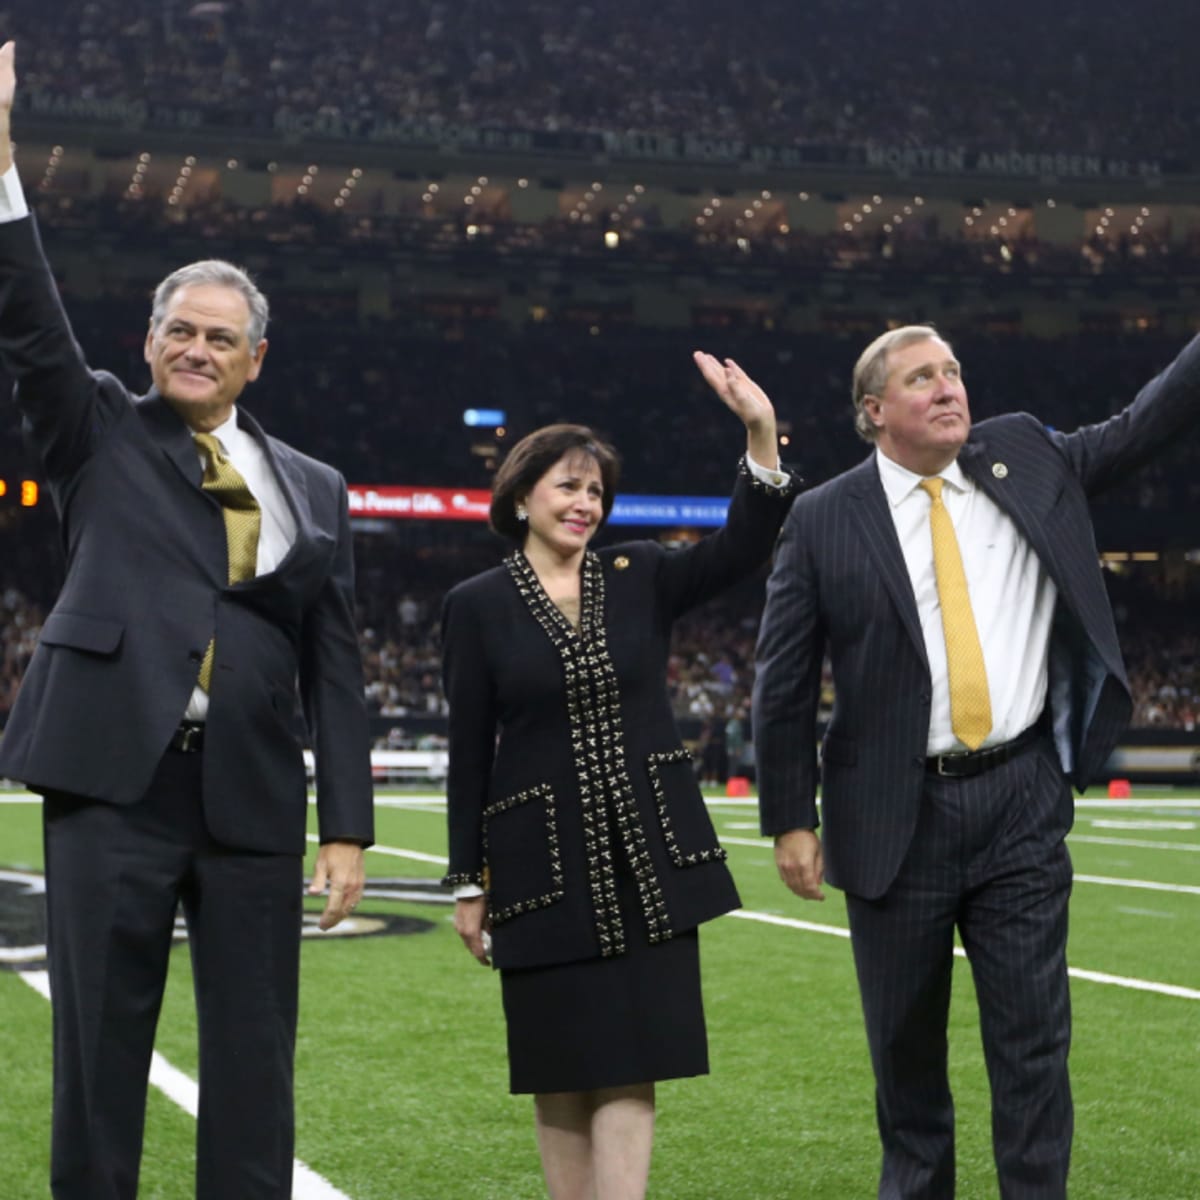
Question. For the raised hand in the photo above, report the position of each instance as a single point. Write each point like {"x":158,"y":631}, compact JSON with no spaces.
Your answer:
{"x":742,"y":396}
{"x":8,"y":89}
{"x":8,"y":75}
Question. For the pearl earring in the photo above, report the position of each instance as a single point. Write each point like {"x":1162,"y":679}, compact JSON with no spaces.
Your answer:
{"x":522,"y":513}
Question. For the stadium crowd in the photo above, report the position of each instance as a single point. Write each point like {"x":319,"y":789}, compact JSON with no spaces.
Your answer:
{"x":833,"y":72}
{"x":383,"y":401}
{"x":710,"y":673}
{"x":473,"y":239}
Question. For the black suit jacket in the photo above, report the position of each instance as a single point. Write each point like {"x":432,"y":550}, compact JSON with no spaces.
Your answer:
{"x":564,"y":754}
{"x":146,"y":590}
{"x":840,"y":583}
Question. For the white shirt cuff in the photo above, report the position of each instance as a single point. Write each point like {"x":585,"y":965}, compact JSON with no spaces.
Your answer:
{"x":775,"y":479}
{"x":12,"y":196}
{"x":467,"y":891}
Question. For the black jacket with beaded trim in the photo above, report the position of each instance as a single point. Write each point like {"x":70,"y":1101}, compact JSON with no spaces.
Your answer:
{"x":563,"y":749}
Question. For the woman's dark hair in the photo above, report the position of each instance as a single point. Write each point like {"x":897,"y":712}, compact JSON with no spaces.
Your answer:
{"x":532,"y":457}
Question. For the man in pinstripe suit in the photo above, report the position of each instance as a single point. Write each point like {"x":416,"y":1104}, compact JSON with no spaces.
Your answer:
{"x":924,"y":834}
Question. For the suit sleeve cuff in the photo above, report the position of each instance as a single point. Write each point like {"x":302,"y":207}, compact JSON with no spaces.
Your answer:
{"x":776,"y":479}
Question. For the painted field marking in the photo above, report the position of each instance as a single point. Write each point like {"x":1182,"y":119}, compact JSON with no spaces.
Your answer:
{"x":1167,"y":989}
{"x":1149,"y":885}
{"x":766,"y":844}
{"x":1122,"y":981}
{"x":397,"y":852}
{"x":1190,"y":802}
{"x":762,"y":844}
{"x":1135,"y":843}
{"x":182,"y":1090}
{"x":413,"y":803}
{"x":1139,"y":823}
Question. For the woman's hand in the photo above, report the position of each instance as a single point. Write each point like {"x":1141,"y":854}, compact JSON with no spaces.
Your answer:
{"x":742,"y":396}
{"x":470,"y":923}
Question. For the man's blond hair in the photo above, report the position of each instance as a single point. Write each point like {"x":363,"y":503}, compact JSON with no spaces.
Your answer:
{"x":870,"y":372}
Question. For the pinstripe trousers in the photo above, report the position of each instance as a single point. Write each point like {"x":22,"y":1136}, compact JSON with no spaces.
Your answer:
{"x":988,"y":859}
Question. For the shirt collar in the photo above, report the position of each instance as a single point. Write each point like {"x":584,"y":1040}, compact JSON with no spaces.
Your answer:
{"x":899,"y":482}
{"x":229,"y":434}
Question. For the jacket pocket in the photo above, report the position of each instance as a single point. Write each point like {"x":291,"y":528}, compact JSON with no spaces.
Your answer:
{"x":96,"y":635}
{"x":686,"y":827}
{"x":839,"y":751}
{"x":520,"y":846}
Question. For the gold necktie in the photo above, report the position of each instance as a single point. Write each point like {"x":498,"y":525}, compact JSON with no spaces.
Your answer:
{"x":970,"y":704}
{"x":243,"y":518}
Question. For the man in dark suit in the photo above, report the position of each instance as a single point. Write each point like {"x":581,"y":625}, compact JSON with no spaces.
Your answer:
{"x":953,"y":578}
{"x":208,"y":577}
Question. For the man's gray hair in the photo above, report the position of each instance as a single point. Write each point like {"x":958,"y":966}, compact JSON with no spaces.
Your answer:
{"x":214,"y":272}
{"x":870,"y":372}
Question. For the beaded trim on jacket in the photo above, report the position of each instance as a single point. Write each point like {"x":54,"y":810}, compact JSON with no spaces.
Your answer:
{"x":543,"y":793}
{"x":598,"y":749}
{"x":714,"y":853}
{"x":461,"y":878}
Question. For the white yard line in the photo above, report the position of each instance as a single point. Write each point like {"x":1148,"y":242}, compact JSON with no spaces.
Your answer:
{"x":397,"y":852}
{"x":182,"y":1090}
{"x":765,"y":844}
{"x":1122,"y":981}
{"x":1186,"y":889}
{"x":1116,"y":806}
{"x":1134,"y":843}
{"x":1166,"y":989}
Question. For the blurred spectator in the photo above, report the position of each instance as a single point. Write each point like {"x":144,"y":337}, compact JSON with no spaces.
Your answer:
{"x":831,"y":72}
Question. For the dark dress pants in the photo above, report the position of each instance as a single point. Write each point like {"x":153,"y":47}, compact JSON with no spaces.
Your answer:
{"x":115,"y":876}
{"x":988,"y":857}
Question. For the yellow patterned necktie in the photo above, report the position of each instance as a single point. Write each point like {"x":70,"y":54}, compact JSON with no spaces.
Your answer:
{"x":970,"y":704}
{"x":243,"y":519}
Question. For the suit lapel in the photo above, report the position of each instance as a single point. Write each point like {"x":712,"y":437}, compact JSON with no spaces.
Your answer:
{"x":173,"y":437}
{"x":1015,"y":490}
{"x":873,"y":518}
{"x":287,"y":470}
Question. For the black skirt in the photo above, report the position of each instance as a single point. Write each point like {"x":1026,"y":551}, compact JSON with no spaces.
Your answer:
{"x":608,"y":1022}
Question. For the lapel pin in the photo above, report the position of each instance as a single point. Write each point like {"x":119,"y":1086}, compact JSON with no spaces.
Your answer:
{"x":620,"y":562}
{"x":999,"y":470}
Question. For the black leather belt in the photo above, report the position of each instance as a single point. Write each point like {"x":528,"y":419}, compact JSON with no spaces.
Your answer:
{"x":189,"y":737}
{"x":974,"y":762}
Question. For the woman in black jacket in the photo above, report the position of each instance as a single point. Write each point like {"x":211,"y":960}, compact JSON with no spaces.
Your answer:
{"x":581,"y":852}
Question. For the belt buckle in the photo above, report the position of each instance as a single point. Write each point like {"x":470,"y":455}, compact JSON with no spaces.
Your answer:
{"x":948,"y":759}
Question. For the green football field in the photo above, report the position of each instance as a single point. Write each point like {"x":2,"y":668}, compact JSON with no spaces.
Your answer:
{"x":402,"y":1095}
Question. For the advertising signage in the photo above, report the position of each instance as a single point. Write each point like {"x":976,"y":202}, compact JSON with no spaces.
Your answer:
{"x":395,"y":502}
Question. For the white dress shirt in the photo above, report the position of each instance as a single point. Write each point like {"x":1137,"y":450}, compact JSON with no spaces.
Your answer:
{"x":12,"y":196}
{"x":277,"y":530}
{"x":1012,"y":599}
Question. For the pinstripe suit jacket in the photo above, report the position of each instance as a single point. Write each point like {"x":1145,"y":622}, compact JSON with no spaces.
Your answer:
{"x":840,"y":583}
